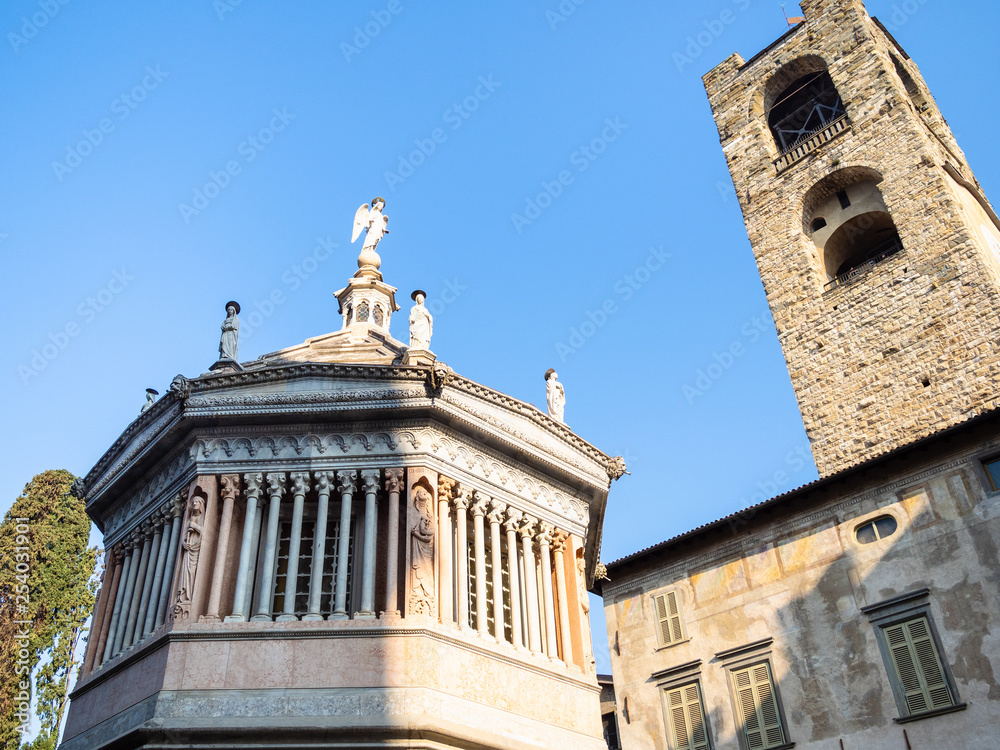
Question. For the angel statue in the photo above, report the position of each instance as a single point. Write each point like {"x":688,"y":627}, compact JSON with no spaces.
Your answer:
{"x":372,"y":220}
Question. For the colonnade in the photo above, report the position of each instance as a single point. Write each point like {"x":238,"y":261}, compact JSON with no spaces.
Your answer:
{"x":533,"y":611}
{"x":514,"y":580}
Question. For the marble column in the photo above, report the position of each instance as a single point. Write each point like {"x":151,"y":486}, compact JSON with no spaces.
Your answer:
{"x":495,"y":517}
{"x":100,"y":611}
{"x":446,"y":593}
{"x":300,"y":486}
{"x":369,"y":478}
{"x":161,"y":538}
{"x":229,"y":485}
{"x":544,"y":539}
{"x":324,"y":485}
{"x":176,"y":511}
{"x":248,"y":550}
{"x":146,"y":536}
{"x":560,"y":541}
{"x":108,"y":630}
{"x":120,"y":615}
{"x":393,"y":485}
{"x":479,"y":508}
{"x":511,"y":525}
{"x":275,"y":489}
{"x":348,"y":485}
{"x":527,"y":531}
{"x":462,"y":555}
{"x":153,"y":533}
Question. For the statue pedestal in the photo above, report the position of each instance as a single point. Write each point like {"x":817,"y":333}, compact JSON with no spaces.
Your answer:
{"x":418,"y":357}
{"x":226,"y":364}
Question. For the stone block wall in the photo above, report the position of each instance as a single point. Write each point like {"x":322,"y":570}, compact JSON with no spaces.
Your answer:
{"x":905,"y":350}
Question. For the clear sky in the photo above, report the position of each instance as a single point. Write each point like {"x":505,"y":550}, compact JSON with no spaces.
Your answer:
{"x":159,"y":159}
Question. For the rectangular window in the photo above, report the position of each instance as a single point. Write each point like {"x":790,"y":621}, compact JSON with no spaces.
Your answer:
{"x":757,"y":705}
{"x":304,"y":573}
{"x":992,"y":467}
{"x":669,"y":628}
{"x":686,"y":716}
{"x":473,"y":598}
{"x":917,"y":667}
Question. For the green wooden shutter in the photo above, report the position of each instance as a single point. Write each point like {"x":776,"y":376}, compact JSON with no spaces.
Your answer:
{"x":668,"y":616}
{"x":918,"y":667}
{"x":687,"y":718}
{"x":758,"y":707}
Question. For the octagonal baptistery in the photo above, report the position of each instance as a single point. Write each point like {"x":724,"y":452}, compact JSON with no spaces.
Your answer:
{"x":341,"y":545}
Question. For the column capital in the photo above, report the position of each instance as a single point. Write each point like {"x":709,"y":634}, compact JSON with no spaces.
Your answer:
{"x":229,"y":486}
{"x":115,"y":556}
{"x":513,"y":522}
{"x":480,"y":504}
{"x":393,"y":480}
{"x":527,"y":527}
{"x":497,"y":511}
{"x":253,"y":483}
{"x":300,"y":482}
{"x":136,"y":537}
{"x":324,"y":482}
{"x":369,"y":478}
{"x":276,"y":483}
{"x":446,"y":488}
{"x":544,"y":535}
{"x":178,"y":504}
{"x":560,"y":540}
{"x":347,"y":482}
{"x":463,"y":499}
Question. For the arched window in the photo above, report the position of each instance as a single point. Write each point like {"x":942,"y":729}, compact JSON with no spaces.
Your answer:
{"x":377,"y":315}
{"x":807,"y":106}
{"x":848,"y":221}
{"x":347,"y":315}
{"x":800,"y":100}
{"x":363,"y":312}
{"x":876,"y":529}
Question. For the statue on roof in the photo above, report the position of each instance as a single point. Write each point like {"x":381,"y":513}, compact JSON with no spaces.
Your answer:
{"x":555,"y":395}
{"x":228,"y":345}
{"x":421,"y":323}
{"x":374,"y":222}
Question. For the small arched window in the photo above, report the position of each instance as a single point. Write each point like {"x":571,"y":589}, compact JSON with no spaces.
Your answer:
{"x":363,"y":312}
{"x":347,"y":315}
{"x":377,"y":315}
{"x":805,"y":107}
{"x":876,"y":529}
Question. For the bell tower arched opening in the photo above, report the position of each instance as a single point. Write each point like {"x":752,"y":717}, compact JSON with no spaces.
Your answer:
{"x":801,"y":100}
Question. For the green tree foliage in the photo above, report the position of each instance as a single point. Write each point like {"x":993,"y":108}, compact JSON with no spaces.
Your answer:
{"x":48,"y":530}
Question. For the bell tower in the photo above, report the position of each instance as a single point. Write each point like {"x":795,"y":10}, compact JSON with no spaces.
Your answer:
{"x":879,"y":253}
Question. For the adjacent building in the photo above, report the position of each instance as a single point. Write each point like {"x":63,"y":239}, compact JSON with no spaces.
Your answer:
{"x":863,"y":610}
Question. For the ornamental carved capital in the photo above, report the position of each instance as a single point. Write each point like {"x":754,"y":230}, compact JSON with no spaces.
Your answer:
{"x":497,"y":511}
{"x":446,"y":488}
{"x":229,"y":486}
{"x":526,"y":529}
{"x":276,"y":484}
{"x":300,"y":483}
{"x":393,"y":480}
{"x":253,"y":481}
{"x":178,"y":504}
{"x":560,"y":541}
{"x":369,"y":479}
{"x":324,"y":482}
{"x":513,"y":522}
{"x":544,"y":535}
{"x":463,"y":499}
{"x":480,"y":504}
{"x":347,"y":482}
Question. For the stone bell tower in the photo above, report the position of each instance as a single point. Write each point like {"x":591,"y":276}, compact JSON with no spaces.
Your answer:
{"x":879,"y":253}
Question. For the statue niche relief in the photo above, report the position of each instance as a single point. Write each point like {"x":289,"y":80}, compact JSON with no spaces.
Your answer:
{"x":189,"y":561}
{"x":422,"y":556}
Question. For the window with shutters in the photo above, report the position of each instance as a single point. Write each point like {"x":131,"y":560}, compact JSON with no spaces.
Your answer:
{"x":917,"y":666}
{"x":669,"y":627}
{"x":757,"y":705}
{"x":686,"y":716}
{"x":921,"y":681}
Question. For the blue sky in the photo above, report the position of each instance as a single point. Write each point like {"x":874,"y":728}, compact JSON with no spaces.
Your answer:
{"x":160,"y":159}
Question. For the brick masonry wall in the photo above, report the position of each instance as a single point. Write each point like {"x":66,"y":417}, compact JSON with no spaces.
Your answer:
{"x":859,"y":356}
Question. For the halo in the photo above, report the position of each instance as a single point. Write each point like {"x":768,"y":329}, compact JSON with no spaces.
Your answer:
{"x":416,"y":292}
{"x":549,"y":373}
{"x":377,"y":199}
{"x":153,"y":391}
{"x":235,"y":304}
